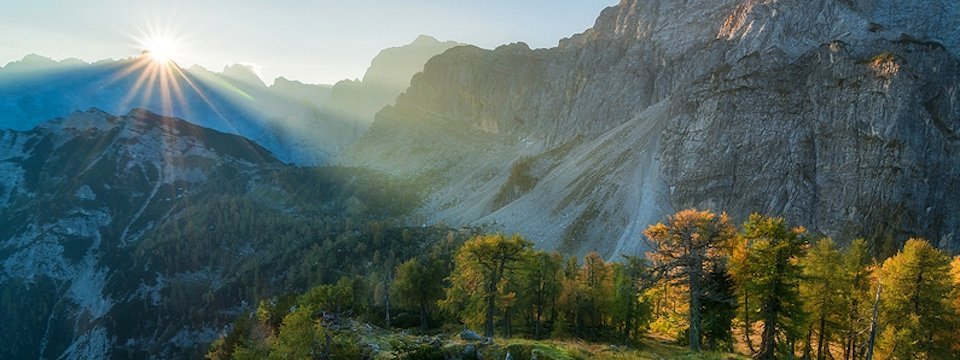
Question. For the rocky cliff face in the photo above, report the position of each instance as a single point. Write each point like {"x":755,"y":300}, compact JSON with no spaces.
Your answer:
{"x":839,"y":115}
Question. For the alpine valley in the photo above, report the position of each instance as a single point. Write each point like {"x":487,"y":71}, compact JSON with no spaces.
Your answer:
{"x":140,"y":221}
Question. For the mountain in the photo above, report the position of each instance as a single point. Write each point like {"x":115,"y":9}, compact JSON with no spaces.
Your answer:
{"x":388,"y":75}
{"x":299,"y":123}
{"x":142,"y":235}
{"x":33,"y":92}
{"x":839,"y":115}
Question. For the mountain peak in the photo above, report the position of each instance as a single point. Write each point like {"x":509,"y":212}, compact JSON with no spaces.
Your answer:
{"x":425,"y":40}
{"x":244,"y":73}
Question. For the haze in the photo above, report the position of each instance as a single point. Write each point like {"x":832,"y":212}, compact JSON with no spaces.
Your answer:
{"x":310,"y":41}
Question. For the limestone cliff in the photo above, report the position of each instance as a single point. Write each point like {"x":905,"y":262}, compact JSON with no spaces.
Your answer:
{"x":840,"y":115}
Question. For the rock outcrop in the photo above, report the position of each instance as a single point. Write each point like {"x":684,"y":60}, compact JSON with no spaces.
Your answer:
{"x":839,"y":115}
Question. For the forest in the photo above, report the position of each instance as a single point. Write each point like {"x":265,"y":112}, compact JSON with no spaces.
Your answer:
{"x":763,"y":288}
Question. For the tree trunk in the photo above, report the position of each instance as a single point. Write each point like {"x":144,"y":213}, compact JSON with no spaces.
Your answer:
{"x":747,"y":325}
{"x":507,"y":331}
{"x":628,"y":324}
{"x":491,"y":311}
{"x":768,"y":339}
{"x":873,"y":324}
{"x":695,"y":323}
{"x":387,"y":302}
{"x":424,"y":316}
{"x":820,"y":336}
{"x":539,"y":317}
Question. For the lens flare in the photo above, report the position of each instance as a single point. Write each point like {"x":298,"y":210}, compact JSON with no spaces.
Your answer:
{"x":160,"y":49}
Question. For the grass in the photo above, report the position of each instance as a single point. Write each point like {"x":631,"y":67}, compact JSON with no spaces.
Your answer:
{"x":407,"y":346}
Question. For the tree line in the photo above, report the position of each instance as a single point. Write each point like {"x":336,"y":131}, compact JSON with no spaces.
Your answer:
{"x":764,"y":288}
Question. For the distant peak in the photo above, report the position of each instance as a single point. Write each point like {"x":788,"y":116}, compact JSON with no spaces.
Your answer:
{"x":425,"y":40}
{"x":243,"y":72}
{"x":37,"y":59}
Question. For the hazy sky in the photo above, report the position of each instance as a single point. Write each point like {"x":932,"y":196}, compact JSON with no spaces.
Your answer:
{"x":319,"y":41}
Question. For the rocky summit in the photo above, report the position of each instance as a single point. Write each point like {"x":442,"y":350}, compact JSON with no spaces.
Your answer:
{"x":839,"y":115}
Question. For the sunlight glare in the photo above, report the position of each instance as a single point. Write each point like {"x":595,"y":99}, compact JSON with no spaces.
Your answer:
{"x":160,"y":49}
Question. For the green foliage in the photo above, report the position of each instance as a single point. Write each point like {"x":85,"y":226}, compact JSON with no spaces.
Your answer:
{"x":541,"y":284}
{"x":335,"y":298}
{"x":821,"y":289}
{"x":300,"y":336}
{"x":815,"y":298}
{"x":917,"y":314}
{"x":418,"y":286}
{"x":691,"y":241}
{"x":483,"y":270}
{"x":631,"y":311}
{"x":518,"y":183}
{"x":766,"y":264}
{"x":719,"y":308}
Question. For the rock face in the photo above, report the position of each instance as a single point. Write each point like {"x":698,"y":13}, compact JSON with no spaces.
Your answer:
{"x":840,"y":115}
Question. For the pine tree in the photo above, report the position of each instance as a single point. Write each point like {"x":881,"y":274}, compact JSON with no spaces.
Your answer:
{"x":632,"y":278}
{"x":719,"y":307}
{"x":685,"y":246}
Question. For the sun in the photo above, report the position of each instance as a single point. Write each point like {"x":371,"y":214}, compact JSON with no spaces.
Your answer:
{"x":160,"y":49}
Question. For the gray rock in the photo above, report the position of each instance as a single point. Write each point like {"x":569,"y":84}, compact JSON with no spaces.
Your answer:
{"x":469,"y":335}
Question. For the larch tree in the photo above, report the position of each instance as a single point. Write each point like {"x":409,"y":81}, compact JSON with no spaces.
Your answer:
{"x":542,"y":283}
{"x":916,"y":312}
{"x":481,"y":271}
{"x":767,"y":266}
{"x":596,"y":277}
{"x":419,"y":285}
{"x":822,"y":290}
{"x":858,"y":267}
{"x":685,"y":246}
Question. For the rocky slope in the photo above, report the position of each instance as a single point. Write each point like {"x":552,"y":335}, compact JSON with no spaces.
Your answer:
{"x":839,"y":115}
{"x":141,"y":235}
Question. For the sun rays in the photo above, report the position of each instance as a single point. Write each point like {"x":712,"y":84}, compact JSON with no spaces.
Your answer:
{"x":161,"y":49}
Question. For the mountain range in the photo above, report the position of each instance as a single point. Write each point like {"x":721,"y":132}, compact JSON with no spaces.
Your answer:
{"x":839,"y":115}
{"x":298,"y":123}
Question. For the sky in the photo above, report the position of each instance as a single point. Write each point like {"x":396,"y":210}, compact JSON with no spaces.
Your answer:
{"x":318,"y":41}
